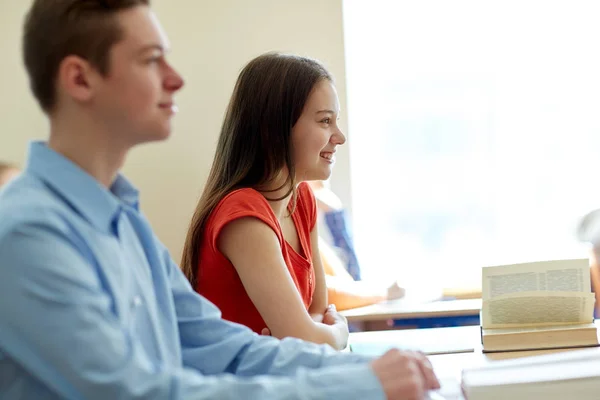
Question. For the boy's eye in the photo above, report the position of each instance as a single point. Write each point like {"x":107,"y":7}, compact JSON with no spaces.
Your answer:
{"x":154,"y":57}
{"x":326,"y":120}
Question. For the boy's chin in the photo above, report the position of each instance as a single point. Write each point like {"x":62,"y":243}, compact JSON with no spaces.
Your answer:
{"x":157,"y":136}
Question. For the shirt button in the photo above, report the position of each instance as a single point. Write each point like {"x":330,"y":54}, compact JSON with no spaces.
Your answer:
{"x":137,"y":301}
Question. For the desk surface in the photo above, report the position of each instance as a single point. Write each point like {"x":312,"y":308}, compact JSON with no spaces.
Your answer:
{"x":450,"y":350}
{"x":401,"y":309}
{"x":435,"y":341}
{"x":460,"y":339}
{"x":448,"y":367}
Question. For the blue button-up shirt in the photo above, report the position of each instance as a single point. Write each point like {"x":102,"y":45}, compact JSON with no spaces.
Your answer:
{"x":93,"y":307}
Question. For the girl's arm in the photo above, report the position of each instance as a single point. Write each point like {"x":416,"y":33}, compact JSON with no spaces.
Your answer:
{"x":319,"y":300}
{"x":254,"y":250}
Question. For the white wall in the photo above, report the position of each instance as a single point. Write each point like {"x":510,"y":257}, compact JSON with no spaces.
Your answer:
{"x":211,"y":41}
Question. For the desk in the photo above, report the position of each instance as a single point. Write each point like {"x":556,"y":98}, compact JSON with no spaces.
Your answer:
{"x":459,"y":339}
{"x":435,"y":341}
{"x":448,"y":367}
{"x":450,"y":350}
{"x":402,"y":313}
{"x":462,"y":293}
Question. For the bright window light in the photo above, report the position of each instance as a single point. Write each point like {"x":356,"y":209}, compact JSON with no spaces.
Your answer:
{"x":474,"y":133}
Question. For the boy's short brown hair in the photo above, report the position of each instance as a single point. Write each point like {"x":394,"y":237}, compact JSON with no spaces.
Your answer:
{"x":55,"y":29}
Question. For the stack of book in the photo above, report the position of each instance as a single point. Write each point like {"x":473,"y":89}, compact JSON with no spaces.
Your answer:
{"x":540,"y":305}
{"x":565,"y":375}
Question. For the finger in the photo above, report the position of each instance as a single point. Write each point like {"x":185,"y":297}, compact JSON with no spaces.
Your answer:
{"x":265,"y":332}
{"x":332,"y":310}
{"x":418,"y":386}
{"x":317,"y":317}
{"x":431,"y":381}
{"x":338,"y":317}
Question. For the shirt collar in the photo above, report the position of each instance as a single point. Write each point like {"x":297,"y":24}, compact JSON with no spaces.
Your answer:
{"x":82,"y":191}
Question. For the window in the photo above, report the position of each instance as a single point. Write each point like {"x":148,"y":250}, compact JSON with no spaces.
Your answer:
{"x":474,"y":133}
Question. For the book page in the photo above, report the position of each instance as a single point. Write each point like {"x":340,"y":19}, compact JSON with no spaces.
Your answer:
{"x":526,"y":329}
{"x":537,"y":294}
{"x":538,"y":309}
{"x":554,"y":276}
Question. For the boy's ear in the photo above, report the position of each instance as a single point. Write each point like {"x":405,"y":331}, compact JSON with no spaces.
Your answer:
{"x":76,"y":79}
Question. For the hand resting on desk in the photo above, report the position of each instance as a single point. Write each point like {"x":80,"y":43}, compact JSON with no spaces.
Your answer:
{"x":405,"y":375}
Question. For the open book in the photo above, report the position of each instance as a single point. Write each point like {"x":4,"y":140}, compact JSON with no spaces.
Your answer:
{"x":565,"y":375}
{"x":537,"y":305}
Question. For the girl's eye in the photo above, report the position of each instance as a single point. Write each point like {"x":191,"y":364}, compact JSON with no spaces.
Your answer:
{"x":326,"y":120}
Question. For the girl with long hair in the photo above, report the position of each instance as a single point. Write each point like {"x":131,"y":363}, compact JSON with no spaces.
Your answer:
{"x":252,"y":246}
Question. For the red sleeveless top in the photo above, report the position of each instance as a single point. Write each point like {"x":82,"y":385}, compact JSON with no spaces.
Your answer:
{"x":217,"y":279}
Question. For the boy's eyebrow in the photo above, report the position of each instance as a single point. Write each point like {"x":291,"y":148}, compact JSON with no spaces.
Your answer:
{"x":325,"y":111}
{"x":149,"y":47}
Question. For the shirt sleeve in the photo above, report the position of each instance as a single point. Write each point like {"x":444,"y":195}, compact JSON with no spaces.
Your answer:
{"x":241,"y":204}
{"x":59,"y":326}
{"x":213,"y":345}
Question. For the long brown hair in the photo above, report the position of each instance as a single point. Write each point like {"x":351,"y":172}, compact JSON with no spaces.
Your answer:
{"x":255,"y":143}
